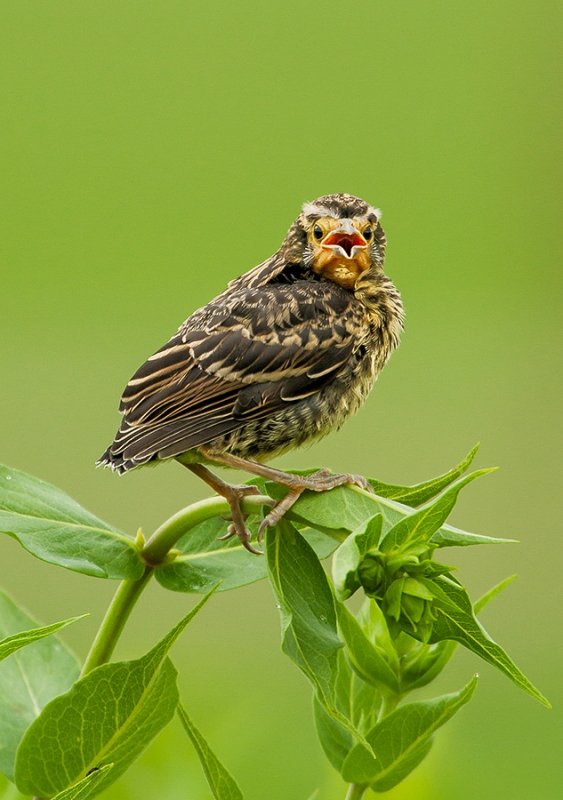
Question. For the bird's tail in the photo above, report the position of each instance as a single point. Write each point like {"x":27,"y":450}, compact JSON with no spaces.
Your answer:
{"x":116,"y":462}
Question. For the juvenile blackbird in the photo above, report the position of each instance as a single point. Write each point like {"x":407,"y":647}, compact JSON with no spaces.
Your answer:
{"x":283,"y":356}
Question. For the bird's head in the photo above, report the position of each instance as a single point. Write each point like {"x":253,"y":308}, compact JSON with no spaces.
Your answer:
{"x":341,"y":237}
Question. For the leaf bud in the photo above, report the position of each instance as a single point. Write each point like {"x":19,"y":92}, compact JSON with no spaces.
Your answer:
{"x":372,"y":575}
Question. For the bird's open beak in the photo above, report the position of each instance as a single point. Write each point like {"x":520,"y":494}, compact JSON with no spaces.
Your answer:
{"x":346,"y":241}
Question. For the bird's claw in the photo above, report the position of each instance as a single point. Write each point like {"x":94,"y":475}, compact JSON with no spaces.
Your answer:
{"x":363,"y":483}
{"x":244,"y":537}
{"x":238,"y":528}
{"x":267,"y":522}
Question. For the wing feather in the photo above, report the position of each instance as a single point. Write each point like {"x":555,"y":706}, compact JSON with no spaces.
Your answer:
{"x":243,"y":357}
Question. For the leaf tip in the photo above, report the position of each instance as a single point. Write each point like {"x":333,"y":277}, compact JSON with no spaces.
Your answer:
{"x":473,"y":452}
{"x":485,"y":471}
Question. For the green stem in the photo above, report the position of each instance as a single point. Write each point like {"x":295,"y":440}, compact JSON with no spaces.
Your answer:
{"x":154,"y":554}
{"x":165,"y":537}
{"x":390,"y":703}
{"x":356,"y":791}
{"x":127,"y":594}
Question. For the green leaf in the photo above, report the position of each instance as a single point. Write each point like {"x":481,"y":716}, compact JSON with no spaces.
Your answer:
{"x":110,"y":715}
{"x":307,"y":611}
{"x":53,"y":527}
{"x":455,"y":620}
{"x":422,"y":492}
{"x":401,"y":740}
{"x":306,"y":607}
{"x":366,"y":659}
{"x":351,"y":552}
{"x":204,"y":560}
{"x":88,"y":787}
{"x":449,"y":536}
{"x":335,"y":739}
{"x":341,"y":511}
{"x":425,"y":662}
{"x":357,"y":702}
{"x":491,"y":594}
{"x":373,"y":623}
{"x":29,"y":679}
{"x":223,"y":786}
{"x":419,"y":526}
{"x":17,"y":640}
{"x":337,"y":512}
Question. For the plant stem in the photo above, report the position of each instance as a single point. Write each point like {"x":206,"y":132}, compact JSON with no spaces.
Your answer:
{"x":356,"y":791}
{"x":390,"y":703}
{"x":154,"y":554}
{"x":127,"y":594}
{"x":165,"y":537}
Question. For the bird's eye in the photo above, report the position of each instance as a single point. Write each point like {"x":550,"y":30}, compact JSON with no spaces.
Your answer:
{"x":318,"y":232}
{"x":368,"y":233}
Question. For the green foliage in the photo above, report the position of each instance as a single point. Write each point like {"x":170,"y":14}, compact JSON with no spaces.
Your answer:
{"x":308,"y":615}
{"x":417,"y":495}
{"x":421,"y":663}
{"x":419,"y":527}
{"x":68,"y":738}
{"x":356,"y":701}
{"x":29,"y":679}
{"x":369,"y":660}
{"x":204,"y":560}
{"x":455,"y":620}
{"x":109,"y":716}
{"x":306,"y":604}
{"x":492,"y":593}
{"x":86,"y":787}
{"x":351,"y":554}
{"x":54,"y":528}
{"x":406,"y":633}
{"x":223,"y":786}
{"x":13,"y":643}
{"x":343,"y":510}
{"x":401,"y":740}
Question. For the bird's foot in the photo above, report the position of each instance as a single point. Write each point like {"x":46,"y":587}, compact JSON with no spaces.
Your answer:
{"x":233,"y":494}
{"x":273,"y":517}
{"x":321,"y":481}
{"x":242,"y":490}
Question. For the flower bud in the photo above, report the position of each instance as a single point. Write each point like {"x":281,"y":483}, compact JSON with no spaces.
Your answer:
{"x":372,"y":575}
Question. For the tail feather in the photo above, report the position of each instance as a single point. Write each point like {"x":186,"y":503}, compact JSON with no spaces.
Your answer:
{"x":118,"y":463}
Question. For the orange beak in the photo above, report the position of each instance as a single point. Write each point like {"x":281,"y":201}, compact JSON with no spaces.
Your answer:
{"x":345,"y":241}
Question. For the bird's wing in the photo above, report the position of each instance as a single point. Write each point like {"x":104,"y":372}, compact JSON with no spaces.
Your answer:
{"x":241,"y":358}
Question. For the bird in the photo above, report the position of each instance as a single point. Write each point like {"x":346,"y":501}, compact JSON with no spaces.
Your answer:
{"x":279,"y":359}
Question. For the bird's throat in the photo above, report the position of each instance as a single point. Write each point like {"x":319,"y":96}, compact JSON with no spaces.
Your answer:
{"x":343,"y":271}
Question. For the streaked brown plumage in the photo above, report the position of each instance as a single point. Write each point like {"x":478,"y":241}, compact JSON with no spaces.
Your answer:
{"x":284,"y":355}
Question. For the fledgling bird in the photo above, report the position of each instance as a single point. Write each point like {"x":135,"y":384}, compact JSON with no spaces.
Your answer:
{"x":283,"y":356}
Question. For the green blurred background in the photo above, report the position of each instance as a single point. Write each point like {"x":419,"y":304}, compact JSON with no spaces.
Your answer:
{"x":151,"y":151}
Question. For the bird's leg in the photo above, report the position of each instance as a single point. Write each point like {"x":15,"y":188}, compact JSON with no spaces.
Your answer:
{"x":321,"y":481}
{"x":233,"y":494}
